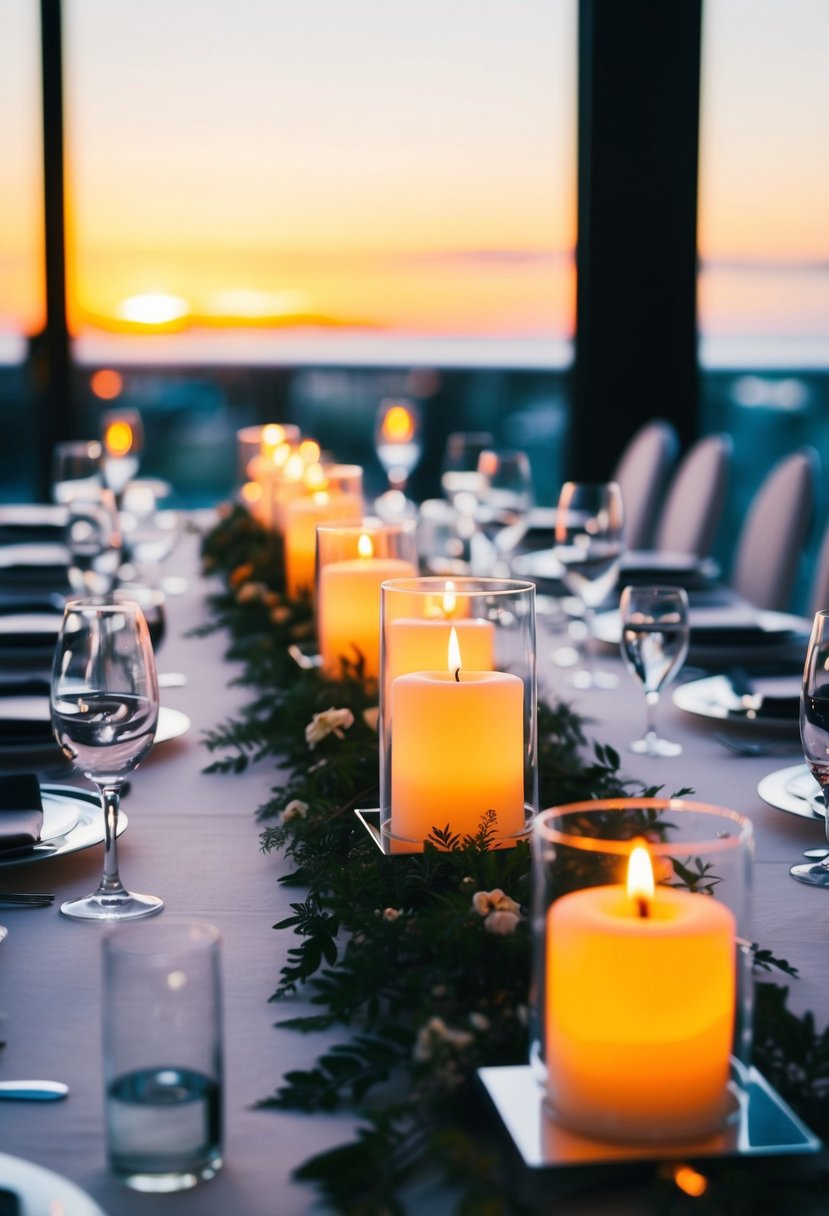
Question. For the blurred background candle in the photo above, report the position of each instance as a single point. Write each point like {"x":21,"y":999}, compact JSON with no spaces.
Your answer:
{"x":640,"y":1007}
{"x":456,"y":751}
{"x":122,"y":440}
{"x":352,"y":564}
{"x":332,"y":494}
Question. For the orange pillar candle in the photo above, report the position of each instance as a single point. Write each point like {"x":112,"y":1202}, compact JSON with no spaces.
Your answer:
{"x":302,"y":515}
{"x":639,"y":1010}
{"x":348,"y":608}
{"x":457,"y":751}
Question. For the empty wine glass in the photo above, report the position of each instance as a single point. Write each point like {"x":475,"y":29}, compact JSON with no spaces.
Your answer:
{"x":507,"y":494}
{"x":589,"y":548}
{"x":814,"y":733}
{"x":150,"y":530}
{"x":399,"y":446}
{"x":122,"y":437}
{"x":93,"y":539}
{"x":654,"y":644}
{"x":76,"y":469}
{"x":104,"y":702}
{"x":464,"y":484}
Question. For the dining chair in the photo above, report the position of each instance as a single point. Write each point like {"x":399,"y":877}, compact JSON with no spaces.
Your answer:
{"x":775,"y":529}
{"x":642,"y":471}
{"x":695,"y":497}
{"x":819,"y":592}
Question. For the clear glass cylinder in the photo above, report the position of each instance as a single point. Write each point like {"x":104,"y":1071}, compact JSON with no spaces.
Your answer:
{"x":641,"y":997}
{"x":255,"y":441}
{"x":327,"y":493}
{"x":458,"y":710}
{"x":353,"y":561}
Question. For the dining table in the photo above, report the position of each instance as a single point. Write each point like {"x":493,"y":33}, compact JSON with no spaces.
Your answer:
{"x":193,"y":838}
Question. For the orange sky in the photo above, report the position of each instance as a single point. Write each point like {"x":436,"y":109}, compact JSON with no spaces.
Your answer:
{"x":411,"y":169}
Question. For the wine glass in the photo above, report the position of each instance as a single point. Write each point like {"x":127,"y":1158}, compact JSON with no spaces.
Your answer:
{"x":399,"y":446}
{"x":589,"y":547}
{"x":655,"y":634}
{"x":76,"y":469}
{"x":814,"y":733}
{"x":151,"y":531}
{"x":104,"y":702}
{"x":507,"y":494}
{"x":93,"y":539}
{"x":122,"y":438}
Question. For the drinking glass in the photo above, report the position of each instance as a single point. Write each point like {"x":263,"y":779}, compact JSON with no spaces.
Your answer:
{"x":463,"y":484}
{"x":104,"y":702}
{"x":814,"y":733}
{"x":151,"y":531}
{"x":76,"y":469}
{"x":399,"y":445}
{"x":122,"y":437}
{"x":654,"y":644}
{"x":507,"y":494}
{"x":93,"y":539}
{"x":589,"y":548}
{"x":162,"y":1024}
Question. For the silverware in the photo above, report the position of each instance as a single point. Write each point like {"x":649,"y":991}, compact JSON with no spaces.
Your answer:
{"x":21,"y":899}
{"x":755,"y":747}
{"x":34,"y":1091}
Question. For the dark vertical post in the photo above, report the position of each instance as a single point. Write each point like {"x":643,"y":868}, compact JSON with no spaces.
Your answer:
{"x":50,"y":350}
{"x":636,"y":355}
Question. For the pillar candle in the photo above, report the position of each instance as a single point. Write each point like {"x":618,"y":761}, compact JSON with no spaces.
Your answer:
{"x":301,"y":518}
{"x":457,"y":751}
{"x":348,"y":609}
{"x":420,"y":645}
{"x":639,"y":1012}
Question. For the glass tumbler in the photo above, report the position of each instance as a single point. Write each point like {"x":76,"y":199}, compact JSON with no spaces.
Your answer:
{"x":162,"y":1045}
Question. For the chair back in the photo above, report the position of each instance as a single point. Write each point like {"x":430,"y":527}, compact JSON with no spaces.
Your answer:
{"x":819,"y":594}
{"x":642,"y":472}
{"x":771,"y":540}
{"x":695,"y":498}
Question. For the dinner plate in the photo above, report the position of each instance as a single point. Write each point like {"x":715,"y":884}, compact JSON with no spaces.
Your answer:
{"x":766,"y":702}
{"x":41,"y":1192}
{"x":60,"y":804}
{"x":172,"y":724}
{"x":792,"y":789}
{"x":721,"y":627}
{"x":639,"y":565}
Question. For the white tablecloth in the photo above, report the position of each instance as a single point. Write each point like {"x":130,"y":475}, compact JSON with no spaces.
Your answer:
{"x":193,"y":839}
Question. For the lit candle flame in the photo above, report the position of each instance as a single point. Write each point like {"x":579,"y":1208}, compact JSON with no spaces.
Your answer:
{"x":364,"y":546}
{"x":272,"y":436}
{"x":118,"y":438}
{"x":640,"y":885}
{"x":398,"y":425}
{"x":309,"y":450}
{"x":315,"y":478}
{"x":294,"y":468}
{"x":251,"y":492}
{"x":454,"y":653}
{"x":281,"y":455}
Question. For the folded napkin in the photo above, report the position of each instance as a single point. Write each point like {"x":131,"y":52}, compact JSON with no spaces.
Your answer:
{"x":734,"y":624}
{"x":21,"y":813}
{"x":20,"y":631}
{"x":35,"y":565}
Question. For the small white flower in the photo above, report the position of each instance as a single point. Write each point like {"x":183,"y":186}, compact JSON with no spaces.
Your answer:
{"x":329,"y":722}
{"x":436,"y":1034}
{"x":371,"y":716}
{"x":391,"y":914}
{"x":479,"y":1021}
{"x":251,"y":593}
{"x":485,"y":902}
{"x":502,"y":923}
{"x":295,"y":810}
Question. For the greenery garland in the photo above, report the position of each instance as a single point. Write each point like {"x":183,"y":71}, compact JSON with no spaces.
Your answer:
{"x":425,"y":960}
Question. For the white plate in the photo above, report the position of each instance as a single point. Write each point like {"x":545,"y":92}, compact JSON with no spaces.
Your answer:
{"x":791,"y":789}
{"x":720,"y":628}
{"x":714,"y":697}
{"x":42,"y":1192}
{"x":543,"y":564}
{"x":88,"y":828}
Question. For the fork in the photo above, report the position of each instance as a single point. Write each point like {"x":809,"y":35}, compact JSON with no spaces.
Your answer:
{"x":31,"y":899}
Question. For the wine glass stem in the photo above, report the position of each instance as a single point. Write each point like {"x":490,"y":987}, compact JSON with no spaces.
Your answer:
{"x":110,"y":883}
{"x":651,"y":702}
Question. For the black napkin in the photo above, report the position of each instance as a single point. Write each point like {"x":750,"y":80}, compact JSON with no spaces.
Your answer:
{"x":21,"y":812}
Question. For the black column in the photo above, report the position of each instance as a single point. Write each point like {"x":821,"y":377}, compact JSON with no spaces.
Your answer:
{"x":636,"y":356}
{"x":50,"y":349}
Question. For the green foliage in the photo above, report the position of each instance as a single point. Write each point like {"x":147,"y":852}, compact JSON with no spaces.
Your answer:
{"x":429,"y":985}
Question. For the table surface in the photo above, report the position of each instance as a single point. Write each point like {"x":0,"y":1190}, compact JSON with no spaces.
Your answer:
{"x":193,"y":839}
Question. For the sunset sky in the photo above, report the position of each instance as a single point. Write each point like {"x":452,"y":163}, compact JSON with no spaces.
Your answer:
{"x":409,"y":169}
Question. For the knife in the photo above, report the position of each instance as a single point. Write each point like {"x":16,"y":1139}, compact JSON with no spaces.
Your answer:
{"x":34,"y":1091}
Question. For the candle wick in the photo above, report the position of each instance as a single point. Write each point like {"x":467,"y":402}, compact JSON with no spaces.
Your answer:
{"x":457,"y":675}
{"x":642,"y":907}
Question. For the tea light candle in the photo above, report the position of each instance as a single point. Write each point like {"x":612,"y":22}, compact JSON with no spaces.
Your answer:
{"x":302,"y":515}
{"x":639,"y":1010}
{"x":457,"y":750}
{"x":348,"y":608}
